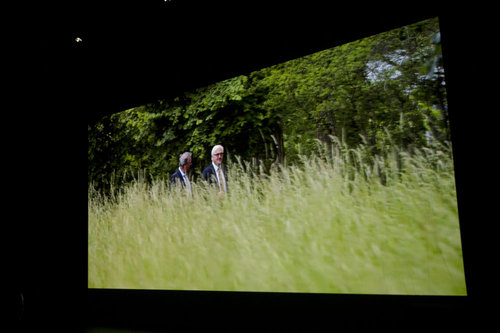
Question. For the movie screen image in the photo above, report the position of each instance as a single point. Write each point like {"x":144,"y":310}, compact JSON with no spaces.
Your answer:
{"x":329,"y":173}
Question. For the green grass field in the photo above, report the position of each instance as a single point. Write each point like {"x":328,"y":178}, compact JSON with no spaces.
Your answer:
{"x":338,"y":223}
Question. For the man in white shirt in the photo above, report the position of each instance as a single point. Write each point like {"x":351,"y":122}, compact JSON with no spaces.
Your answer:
{"x":181,"y":175}
{"x":216,"y":172}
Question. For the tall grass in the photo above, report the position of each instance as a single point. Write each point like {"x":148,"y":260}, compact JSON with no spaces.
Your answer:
{"x":342,"y":221}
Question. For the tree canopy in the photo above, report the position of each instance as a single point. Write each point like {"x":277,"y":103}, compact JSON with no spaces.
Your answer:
{"x":389,"y":87}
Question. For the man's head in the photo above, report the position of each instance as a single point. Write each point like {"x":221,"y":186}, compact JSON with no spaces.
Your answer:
{"x":217,"y":154}
{"x":185,"y":161}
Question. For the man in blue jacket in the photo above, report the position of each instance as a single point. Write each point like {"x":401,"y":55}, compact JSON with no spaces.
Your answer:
{"x":181,"y":175}
{"x":216,"y":172}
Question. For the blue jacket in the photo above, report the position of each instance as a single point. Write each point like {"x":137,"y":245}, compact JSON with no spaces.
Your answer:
{"x":176,"y":177}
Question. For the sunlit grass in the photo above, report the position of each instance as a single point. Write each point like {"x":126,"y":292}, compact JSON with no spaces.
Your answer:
{"x":340,"y":222}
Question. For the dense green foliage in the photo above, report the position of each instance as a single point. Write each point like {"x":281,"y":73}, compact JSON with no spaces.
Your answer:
{"x":388,"y":84}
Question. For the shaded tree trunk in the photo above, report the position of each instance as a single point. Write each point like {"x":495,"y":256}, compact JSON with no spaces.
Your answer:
{"x":279,"y":144}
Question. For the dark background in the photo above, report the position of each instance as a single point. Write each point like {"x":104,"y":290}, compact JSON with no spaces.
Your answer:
{"x":133,"y":52}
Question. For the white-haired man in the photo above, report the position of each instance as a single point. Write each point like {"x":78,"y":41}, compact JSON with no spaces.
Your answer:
{"x":216,"y":172}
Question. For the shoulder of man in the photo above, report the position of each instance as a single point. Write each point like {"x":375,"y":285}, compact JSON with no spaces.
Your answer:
{"x":209,"y":170}
{"x":176,"y":174}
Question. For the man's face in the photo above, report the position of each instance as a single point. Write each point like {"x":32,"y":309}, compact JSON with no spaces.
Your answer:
{"x":217,"y":157}
{"x":188,"y":165}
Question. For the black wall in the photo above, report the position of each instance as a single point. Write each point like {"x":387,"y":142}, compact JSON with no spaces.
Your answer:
{"x":135,"y":52}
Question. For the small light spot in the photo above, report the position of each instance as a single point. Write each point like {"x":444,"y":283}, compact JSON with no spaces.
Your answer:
{"x":78,"y":40}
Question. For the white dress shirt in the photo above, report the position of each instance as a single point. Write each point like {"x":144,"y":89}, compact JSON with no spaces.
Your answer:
{"x":186,"y":179}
